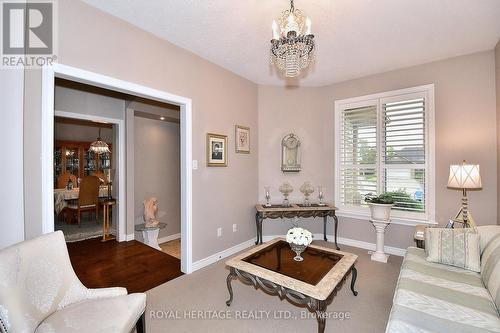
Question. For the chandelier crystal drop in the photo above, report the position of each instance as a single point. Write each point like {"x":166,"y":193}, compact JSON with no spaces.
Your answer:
{"x":292,"y":46}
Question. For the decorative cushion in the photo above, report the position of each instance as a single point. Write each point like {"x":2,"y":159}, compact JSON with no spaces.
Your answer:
{"x":455,"y":247}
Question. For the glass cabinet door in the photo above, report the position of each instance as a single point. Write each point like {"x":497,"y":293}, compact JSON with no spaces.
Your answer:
{"x":58,"y":162}
{"x":73,"y":160}
{"x":105,"y":161}
{"x":89,"y":162}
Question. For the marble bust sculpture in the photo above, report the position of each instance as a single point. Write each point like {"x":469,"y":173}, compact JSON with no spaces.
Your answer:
{"x":150,"y":211}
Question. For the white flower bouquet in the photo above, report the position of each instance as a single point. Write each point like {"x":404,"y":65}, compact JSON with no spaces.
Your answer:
{"x":299,"y":236}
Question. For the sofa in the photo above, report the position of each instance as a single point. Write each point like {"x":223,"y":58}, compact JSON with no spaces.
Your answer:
{"x":40,"y":292}
{"x":432,"y":297}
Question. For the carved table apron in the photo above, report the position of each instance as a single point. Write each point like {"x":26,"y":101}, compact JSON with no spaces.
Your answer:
{"x":278,"y":211}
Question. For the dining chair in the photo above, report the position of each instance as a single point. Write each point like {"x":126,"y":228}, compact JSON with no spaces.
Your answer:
{"x":100,"y":175}
{"x":88,"y":198}
{"x":40,"y":293}
{"x":62,"y":180}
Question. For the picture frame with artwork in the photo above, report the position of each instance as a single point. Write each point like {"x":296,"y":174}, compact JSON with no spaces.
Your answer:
{"x":242,"y":139}
{"x":216,"y":150}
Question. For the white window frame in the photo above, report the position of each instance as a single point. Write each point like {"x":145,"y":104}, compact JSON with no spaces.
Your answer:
{"x":397,"y":217}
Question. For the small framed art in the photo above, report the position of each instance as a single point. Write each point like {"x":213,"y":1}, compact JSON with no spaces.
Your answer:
{"x":216,"y":150}
{"x":242,"y":139}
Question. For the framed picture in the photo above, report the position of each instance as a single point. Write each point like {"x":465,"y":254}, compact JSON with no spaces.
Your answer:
{"x":242,"y":139}
{"x":216,"y":150}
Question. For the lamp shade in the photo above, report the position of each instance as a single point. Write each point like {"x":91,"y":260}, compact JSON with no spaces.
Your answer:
{"x":464,"y":176}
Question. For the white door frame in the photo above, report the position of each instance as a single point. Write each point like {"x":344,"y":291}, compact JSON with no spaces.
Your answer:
{"x":47,"y":140}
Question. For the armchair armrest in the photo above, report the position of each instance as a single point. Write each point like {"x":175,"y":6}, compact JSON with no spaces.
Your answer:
{"x":106,"y":292}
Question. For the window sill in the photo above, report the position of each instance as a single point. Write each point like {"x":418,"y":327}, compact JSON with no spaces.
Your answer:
{"x":394,"y":220}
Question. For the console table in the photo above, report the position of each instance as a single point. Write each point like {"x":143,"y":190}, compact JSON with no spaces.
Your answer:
{"x":295,"y":210}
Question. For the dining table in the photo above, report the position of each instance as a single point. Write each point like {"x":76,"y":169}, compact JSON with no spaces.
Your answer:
{"x":62,"y":196}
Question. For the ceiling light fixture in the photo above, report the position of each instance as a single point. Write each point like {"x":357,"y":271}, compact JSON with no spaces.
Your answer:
{"x":99,"y":146}
{"x":162,"y":118}
{"x":292,"y":46}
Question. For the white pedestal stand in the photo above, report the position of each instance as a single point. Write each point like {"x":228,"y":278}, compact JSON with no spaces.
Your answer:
{"x":379,"y":254}
{"x":150,"y":234}
{"x":150,"y":237}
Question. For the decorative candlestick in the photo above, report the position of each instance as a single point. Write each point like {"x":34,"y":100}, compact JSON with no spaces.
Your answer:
{"x":321,"y":196}
{"x":268,"y":196}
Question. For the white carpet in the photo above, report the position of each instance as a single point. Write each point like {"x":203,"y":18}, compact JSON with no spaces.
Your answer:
{"x":196,"y":303}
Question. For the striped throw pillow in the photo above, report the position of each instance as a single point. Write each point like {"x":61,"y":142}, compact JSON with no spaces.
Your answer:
{"x":454,"y":247}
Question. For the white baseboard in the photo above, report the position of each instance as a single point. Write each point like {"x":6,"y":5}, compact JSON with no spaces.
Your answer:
{"x":168,"y":238}
{"x":251,"y":242}
{"x":222,"y":254}
{"x":130,"y":237}
{"x":368,"y":246}
{"x":351,"y":242}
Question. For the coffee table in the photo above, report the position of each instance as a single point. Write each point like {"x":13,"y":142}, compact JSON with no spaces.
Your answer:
{"x":313,"y":282}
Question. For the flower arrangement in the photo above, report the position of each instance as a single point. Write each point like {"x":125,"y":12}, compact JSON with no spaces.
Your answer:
{"x":299,"y":236}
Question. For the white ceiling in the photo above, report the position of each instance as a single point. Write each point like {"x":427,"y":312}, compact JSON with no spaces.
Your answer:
{"x":354,"y":38}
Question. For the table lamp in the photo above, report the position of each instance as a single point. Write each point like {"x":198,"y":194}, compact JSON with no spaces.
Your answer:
{"x":464,"y":177}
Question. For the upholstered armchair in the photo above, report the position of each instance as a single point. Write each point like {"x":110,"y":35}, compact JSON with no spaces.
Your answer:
{"x":40,"y":292}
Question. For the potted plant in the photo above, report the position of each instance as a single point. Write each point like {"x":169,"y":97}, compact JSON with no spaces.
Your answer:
{"x":380,"y":206}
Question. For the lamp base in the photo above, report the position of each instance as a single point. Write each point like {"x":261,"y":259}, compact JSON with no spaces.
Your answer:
{"x":460,"y":218}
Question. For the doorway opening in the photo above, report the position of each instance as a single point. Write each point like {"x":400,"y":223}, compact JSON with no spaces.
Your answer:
{"x":124,"y":218}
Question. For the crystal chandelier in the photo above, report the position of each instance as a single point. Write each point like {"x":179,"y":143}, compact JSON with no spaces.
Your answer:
{"x":292,"y":46}
{"x":99,"y":146}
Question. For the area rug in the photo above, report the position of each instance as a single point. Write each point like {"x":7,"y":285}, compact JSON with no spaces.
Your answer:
{"x":196,"y":303}
{"x":88,"y":229}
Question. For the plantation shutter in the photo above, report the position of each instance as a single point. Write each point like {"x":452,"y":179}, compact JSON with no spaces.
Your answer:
{"x":358,"y":154}
{"x":403,"y":155}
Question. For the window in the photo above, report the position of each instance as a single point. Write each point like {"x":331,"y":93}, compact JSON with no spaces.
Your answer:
{"x":384,"y":144}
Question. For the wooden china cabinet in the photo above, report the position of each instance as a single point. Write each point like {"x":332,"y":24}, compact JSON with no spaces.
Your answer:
{"x":77,"y":159}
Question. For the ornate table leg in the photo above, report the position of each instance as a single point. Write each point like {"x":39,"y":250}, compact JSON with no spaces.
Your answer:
{"x":325,"y":219}
{"x":353,"y":279}
{"x":319,"y":307}
{"x":336,"y":225}
{"x":258,"y":224}
{"x":232,"y":274}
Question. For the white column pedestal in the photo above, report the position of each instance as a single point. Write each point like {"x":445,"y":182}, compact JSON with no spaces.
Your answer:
{"x":151,"y":237}
{"x":379,"y":254}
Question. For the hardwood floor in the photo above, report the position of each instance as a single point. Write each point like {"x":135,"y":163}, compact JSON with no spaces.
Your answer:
{"x":132,"y":265}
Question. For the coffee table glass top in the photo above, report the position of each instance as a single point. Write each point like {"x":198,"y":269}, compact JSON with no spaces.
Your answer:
{"x":278,"y":258}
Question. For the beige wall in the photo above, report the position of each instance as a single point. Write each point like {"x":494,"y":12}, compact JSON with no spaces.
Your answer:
{"x":11,"y":162}
{"x":465,"y":129}
{"x":497,"y":84}
{"x":465,"y":125}
{"x":157,"y":171}
{"x":72,"y":132}
{"x":92,"y":40}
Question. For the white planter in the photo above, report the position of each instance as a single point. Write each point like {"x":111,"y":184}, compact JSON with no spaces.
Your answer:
{"x":380,"y":212}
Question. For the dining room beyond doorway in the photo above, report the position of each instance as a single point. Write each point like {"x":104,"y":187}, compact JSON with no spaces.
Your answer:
{"x":84,"y":169}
